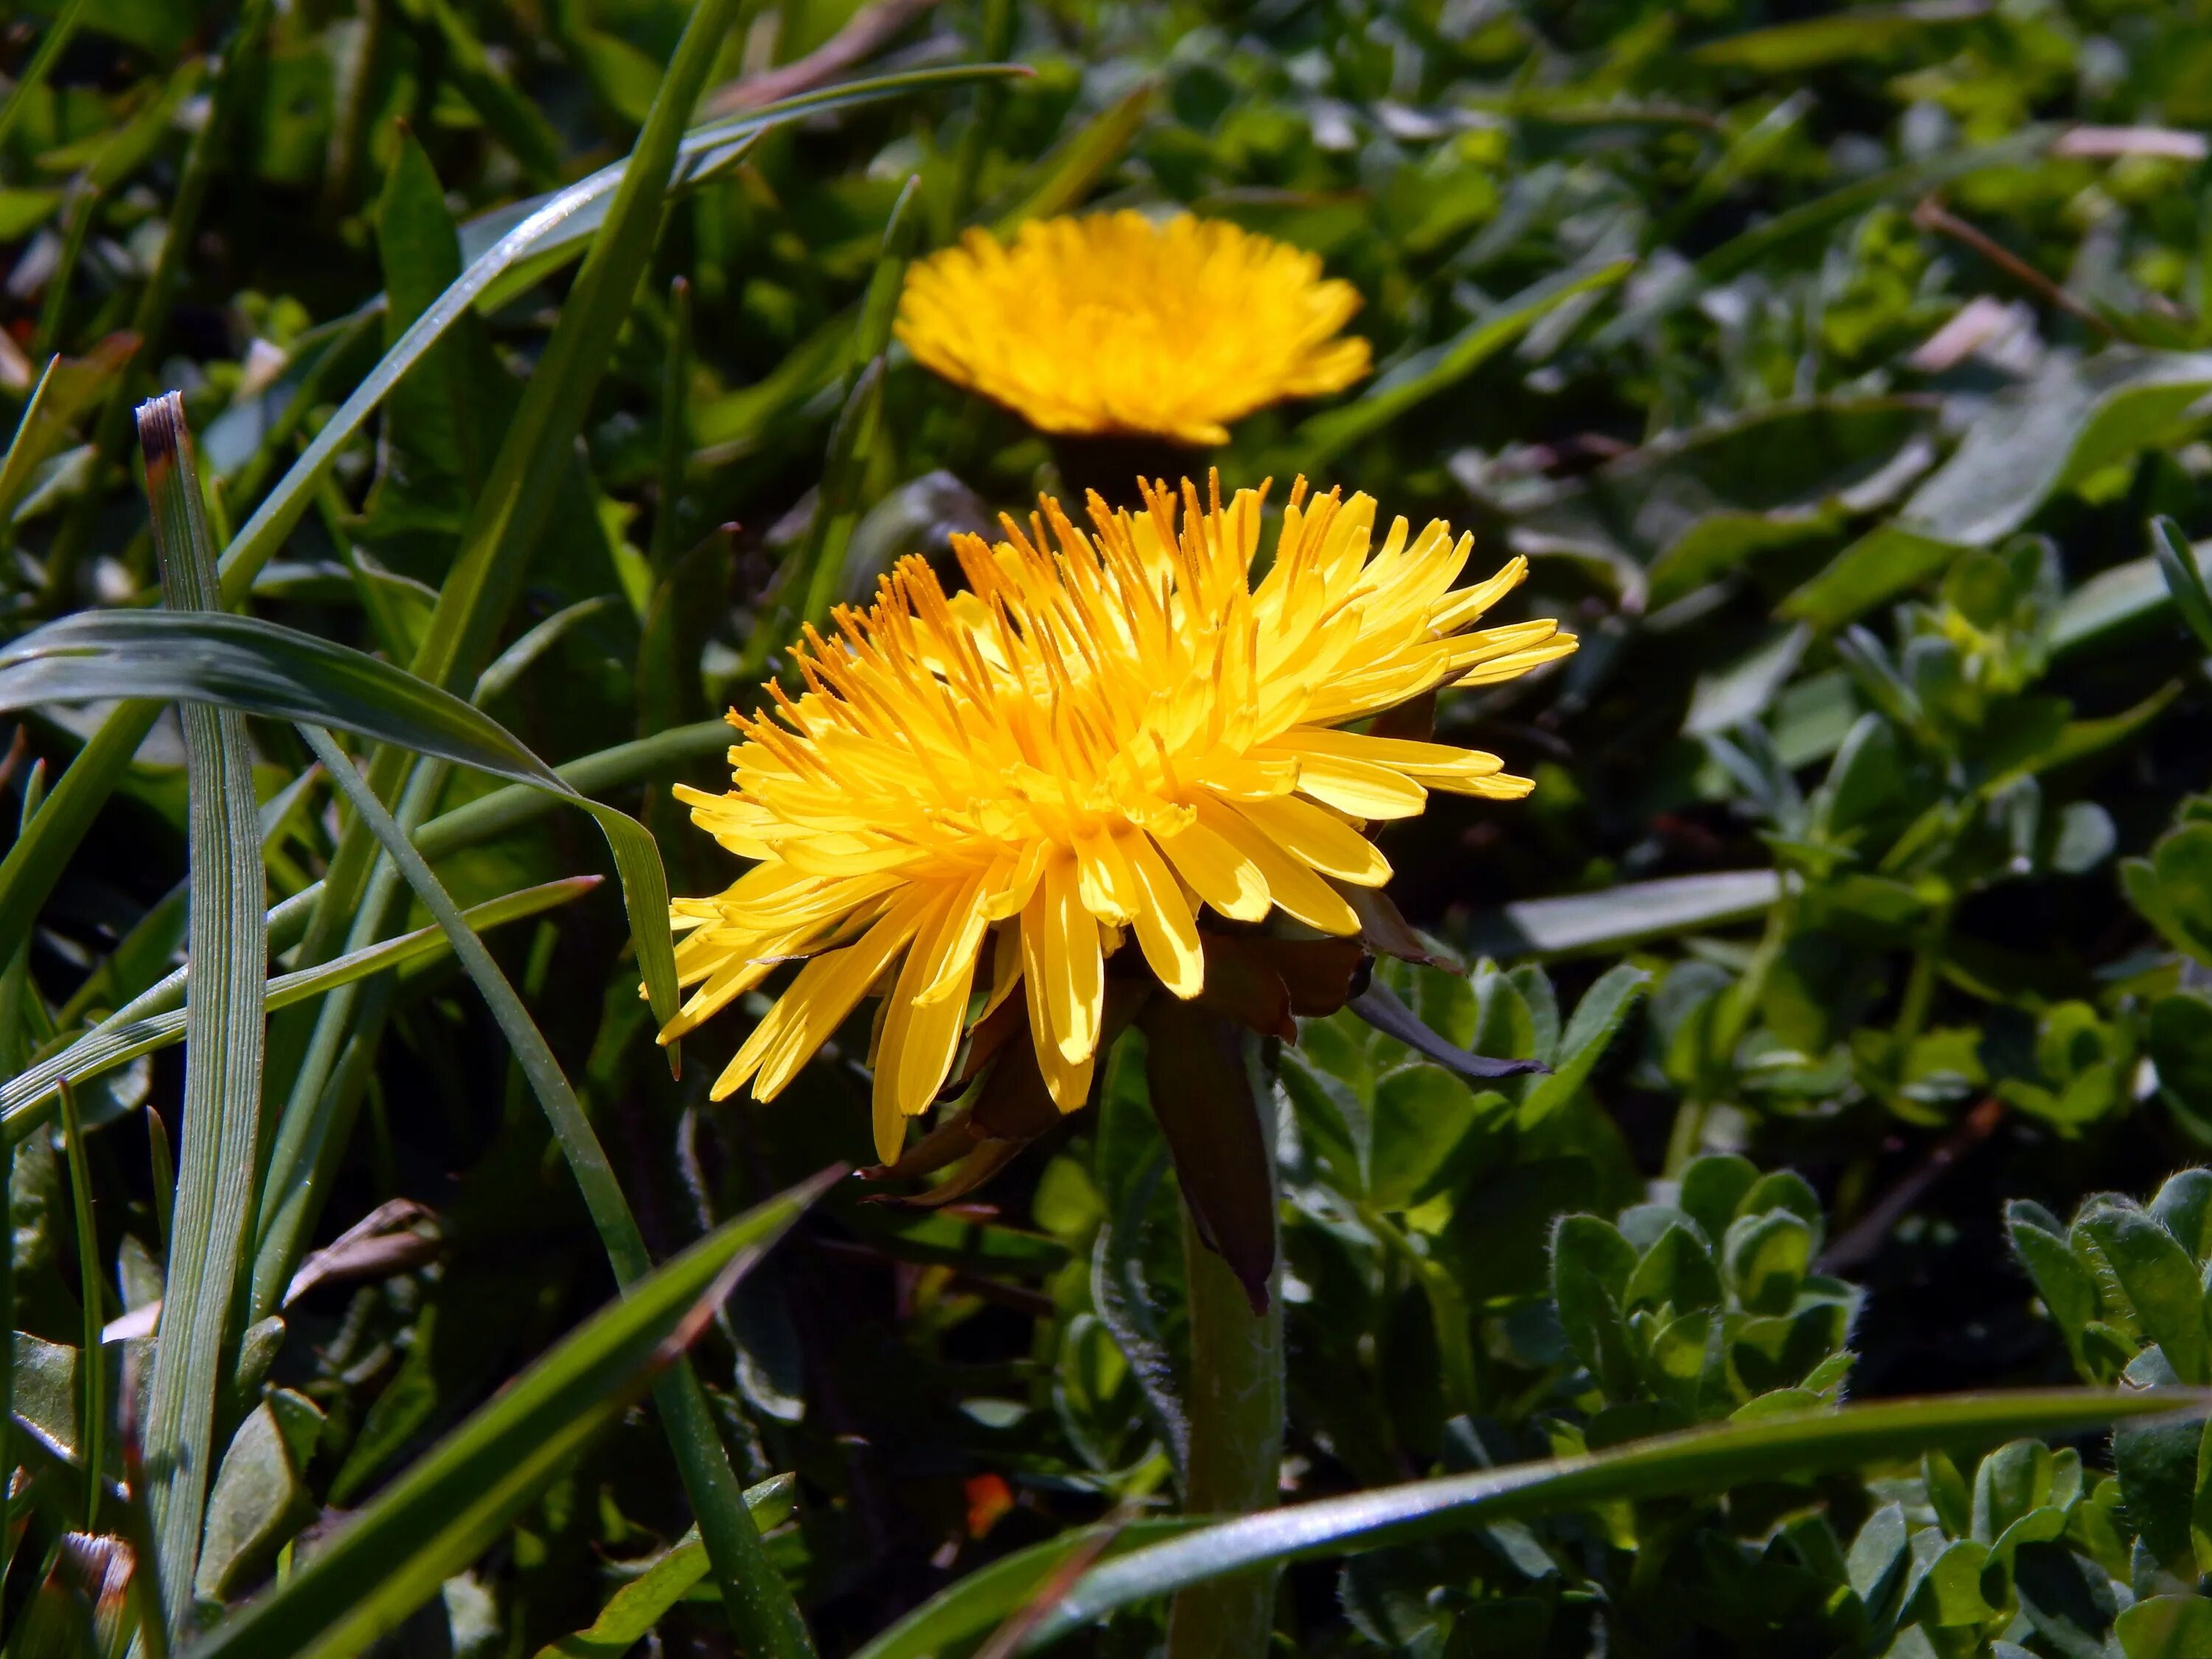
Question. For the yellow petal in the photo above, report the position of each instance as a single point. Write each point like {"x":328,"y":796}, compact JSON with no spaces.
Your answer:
{"x":1512,"y":667}
{"x":1073,"y":964}
{"x":1319,"y":838}
{"x":1167,"y":932}
{"x":1005,"y":965}
{"x":1067,"y":1081}
{"x":1358,"y":789}
{"x":1291,"y":884}
{"x":1217,"y":872}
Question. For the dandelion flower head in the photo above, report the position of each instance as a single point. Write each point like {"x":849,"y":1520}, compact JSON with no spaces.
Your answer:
{"x":1111,"y":324}
{"x":1109,"y":731}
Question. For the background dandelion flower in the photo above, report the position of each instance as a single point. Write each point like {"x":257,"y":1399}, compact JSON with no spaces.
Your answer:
{"x":1110,"y":730}
{"x":1111,"y":324}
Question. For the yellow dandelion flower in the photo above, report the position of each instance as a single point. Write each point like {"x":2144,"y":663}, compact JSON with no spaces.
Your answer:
{"x":1112,"y":324}
{"x":1109,"y":731}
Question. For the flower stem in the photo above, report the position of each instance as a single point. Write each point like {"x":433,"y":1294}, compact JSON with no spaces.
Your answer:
{"x":1235,"y":1411}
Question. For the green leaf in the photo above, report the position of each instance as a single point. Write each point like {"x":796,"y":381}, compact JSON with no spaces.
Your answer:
{"x":2177,"y":563}
{"x":257,"y":1501}
{"x":33,"y":74}
{"x":1713,"y":1190}
{"x":1741,"y":253}
{"x":1597,"y":1018}
{"x":2117,"y":602}
{"x":450,"y":1503}
{"x":227,"y":943}
{"x":2179,"y":1042}
{"x":556,"y":225}
{"x":1421,"y":1114}
{"x":1950,"y":1592}
{"x":1699,"y":1461}
{"x":2073,"y":418}
{"x":1791,"y":48}
{"x":632,"y":1610}
{"x":1591,"y":1266}
{"x":2067,"y":1598}
{"x":2160,"y":1283}
{"x":2066,"y":1286}
{"x":2166,"y":1627}
{"x":1617,"y":917}
{"x":262,"y":668}
{"x":66,"y":387}
{"x":2157,"y":1465}
{"x":1768,"y":1257}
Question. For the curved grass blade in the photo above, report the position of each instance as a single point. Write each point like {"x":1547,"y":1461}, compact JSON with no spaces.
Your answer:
{"x":262,"y":668}
{"x":985,"y":1598}
{"x":117,"y":1041}
{"x":753,"y":1594}
{"x":479,"y":821}
{"x":244,"y":663}
{"x":1324,"y":436}
{"x":2184,"y":578}
{"x":34,"y":72}
{"x":632,"y":1610}
{"x":1703,"y":1460}
{"x":1740,"y":253}
{"x":450,"y":1504}
{"x":227,"y":938}
{"x":561,"y":223}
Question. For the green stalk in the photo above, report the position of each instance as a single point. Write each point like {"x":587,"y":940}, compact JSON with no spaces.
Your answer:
{"x":149,"y":318}
{"x":92,"y":1371}
{"x":53,"y":311}
{"x":1236,"y":1409}
{"x":998,"y":40}
{"x":227,"y":942}
{"x":756,"y":1600}
{"x":34,"y":72}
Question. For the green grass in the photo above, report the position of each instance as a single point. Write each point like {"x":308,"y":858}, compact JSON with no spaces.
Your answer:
{"x":1843,"y":371}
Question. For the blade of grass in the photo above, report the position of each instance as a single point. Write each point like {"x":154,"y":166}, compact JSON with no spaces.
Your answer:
{"x":142,"y":955}
{"x":42,"y":61}
{"x":150,"y":317}
{"x":92,"y":1409}
{"x":962,"y":1612}
{"x":759,"y":1606}
{"x":54,"y":312}
{"x":117,"y":1041}
{"x":480,"y":820}
{"x":510,"y":511}
{"x":632,"y":1610}
{"x":1324,"y":436}
{"x":811,"y":585}
{"x":244,"y":663}
{"x":34,"y":862}
{"x":165,"y":1173}
{"x":1739,"y":253}
{"x":1703,"y":1460}
{"x":433,"y":1519}
{"x":2184,"y":580}
{"x":14,"y":985}
{"x":675,"y":427}
{"x":227,"y":943}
